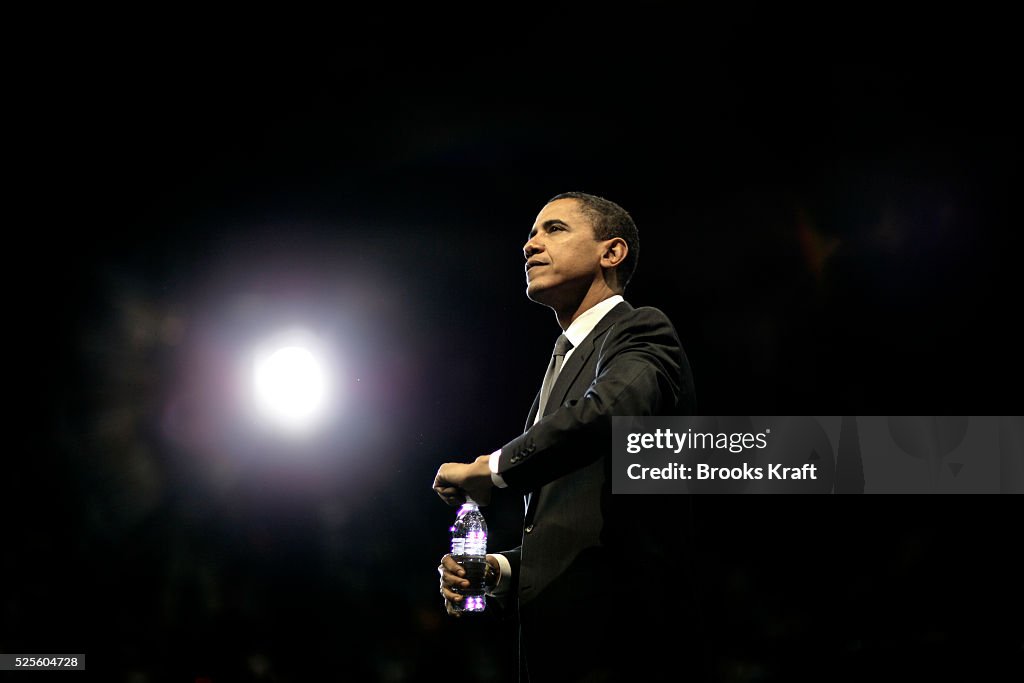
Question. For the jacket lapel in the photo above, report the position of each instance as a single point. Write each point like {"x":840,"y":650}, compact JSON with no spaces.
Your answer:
{"x":566,"y":380}
{"x":571,"y":370}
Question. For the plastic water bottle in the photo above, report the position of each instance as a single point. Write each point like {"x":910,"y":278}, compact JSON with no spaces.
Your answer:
{"x":469,"y":549}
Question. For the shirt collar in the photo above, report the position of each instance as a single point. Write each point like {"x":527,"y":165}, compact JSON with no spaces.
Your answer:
{"x":588,"y":320}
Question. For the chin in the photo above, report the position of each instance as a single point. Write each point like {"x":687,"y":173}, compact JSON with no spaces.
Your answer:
{"x":537,"y":287}
{"x":535,"y":292}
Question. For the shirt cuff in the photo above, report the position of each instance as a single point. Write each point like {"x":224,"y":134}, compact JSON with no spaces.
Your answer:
{"x":495,"y":477}
{"x":503,"y":587}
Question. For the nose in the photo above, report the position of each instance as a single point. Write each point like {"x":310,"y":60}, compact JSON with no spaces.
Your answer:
{"x":532,"y":247}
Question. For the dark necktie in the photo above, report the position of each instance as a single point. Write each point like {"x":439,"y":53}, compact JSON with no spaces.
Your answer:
{"x":562,"y":346}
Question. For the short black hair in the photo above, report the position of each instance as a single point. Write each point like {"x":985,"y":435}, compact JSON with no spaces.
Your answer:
{"x":610,"y":220}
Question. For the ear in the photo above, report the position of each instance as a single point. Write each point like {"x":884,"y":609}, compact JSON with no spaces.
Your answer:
{"x":615,"y":252}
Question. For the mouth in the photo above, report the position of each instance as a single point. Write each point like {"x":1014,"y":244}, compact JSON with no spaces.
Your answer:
{"x":533,"y":264}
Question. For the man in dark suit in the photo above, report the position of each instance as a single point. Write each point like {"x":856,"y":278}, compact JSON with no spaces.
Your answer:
{"x":586,"y":574}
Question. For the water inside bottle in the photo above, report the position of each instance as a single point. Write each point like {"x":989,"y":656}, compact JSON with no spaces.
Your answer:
{"x":475,"y":567}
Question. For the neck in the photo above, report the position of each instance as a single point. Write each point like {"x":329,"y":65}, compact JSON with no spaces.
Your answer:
{"x":567,"y":314}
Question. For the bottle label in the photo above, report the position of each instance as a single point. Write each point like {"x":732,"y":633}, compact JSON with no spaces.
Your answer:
{"x":476,"y":543}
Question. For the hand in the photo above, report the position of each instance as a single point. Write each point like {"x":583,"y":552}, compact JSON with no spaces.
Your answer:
{"x":451,"y":579}
{"x":455,"y":480}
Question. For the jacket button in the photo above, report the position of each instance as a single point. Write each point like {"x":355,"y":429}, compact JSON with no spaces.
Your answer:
{"x":529,"y":528}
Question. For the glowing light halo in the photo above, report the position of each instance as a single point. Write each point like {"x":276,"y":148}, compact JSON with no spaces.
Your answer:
{"x":290,"y":384}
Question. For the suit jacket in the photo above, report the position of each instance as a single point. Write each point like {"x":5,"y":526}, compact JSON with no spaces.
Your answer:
{"x":577,"y":537}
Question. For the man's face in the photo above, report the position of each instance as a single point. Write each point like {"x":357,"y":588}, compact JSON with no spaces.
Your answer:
{"x":562,"y":256}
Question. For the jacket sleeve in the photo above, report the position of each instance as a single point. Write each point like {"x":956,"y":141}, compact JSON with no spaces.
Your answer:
{"x":641,"y":370}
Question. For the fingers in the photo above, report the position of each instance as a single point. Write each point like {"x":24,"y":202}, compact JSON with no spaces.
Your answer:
{"x":445,"y":477}
{"x":448,"y":562}
{"x":451,"y":581}
{"x":451,"y":495}
{"x":449,"y":595}
{"x":448,"y":483}
{"x":452,"y":575}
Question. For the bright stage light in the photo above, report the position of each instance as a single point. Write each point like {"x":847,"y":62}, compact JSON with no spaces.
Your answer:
{"x":291,"y":386}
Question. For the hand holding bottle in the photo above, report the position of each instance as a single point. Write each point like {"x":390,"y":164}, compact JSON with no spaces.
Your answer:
{"x":453,"y":579}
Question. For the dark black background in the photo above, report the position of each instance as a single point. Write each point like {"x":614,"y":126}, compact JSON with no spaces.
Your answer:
{"x":828,"y":214}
